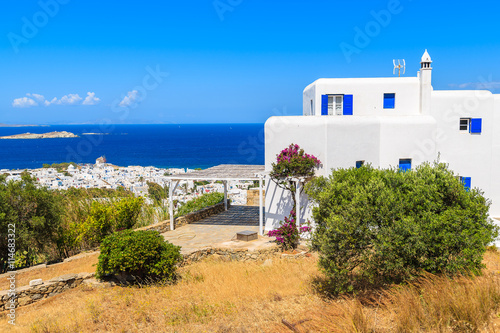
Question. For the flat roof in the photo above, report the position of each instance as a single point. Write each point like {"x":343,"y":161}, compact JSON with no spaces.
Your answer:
{"x":223,"y":172}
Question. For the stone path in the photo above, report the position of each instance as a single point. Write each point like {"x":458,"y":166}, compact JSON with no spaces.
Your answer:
{"x":235,"y":215}
{"x":218,"y":229}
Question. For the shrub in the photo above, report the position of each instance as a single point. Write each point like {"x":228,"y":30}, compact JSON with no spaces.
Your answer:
{"x":34,"y":216}
{"x":292,"y":162}
{"x":127,"y":212}
{"x":157,"y":193}
{"x":288,"y":235}
{"x":383,"y":226}
{"x":106,"y":217}
{"x":91,"y":214}
{"x":201,"y":202}
{"x":142,"y":254}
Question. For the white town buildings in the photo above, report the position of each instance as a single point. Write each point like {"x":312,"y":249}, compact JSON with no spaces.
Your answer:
{"x":397,"y":121}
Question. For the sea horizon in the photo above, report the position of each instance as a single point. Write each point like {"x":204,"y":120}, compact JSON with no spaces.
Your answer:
{"x":97,"y":123}
{"x":158,"y":145}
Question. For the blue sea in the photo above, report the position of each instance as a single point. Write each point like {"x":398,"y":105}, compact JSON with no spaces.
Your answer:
{"x":163,"y":146}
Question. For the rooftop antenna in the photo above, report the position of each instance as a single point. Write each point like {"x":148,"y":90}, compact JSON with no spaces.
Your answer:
{"x":399,"y":66}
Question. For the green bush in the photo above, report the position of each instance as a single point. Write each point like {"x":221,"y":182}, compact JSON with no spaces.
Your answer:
{"x":157,"y":193}
{"x":106,"y":217}
{"x":142,"y":254}
{"x":89,"y":216}
{"x":32,"y":218}
{"x":383,"y":226}
{"x":203,"y":201}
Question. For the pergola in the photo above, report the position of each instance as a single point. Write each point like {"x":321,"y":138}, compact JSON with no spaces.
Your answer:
{"x":224,"y":173}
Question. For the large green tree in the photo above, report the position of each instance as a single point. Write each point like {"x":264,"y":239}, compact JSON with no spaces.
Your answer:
{"x":382,"y":226}
{"x":35,"y":212}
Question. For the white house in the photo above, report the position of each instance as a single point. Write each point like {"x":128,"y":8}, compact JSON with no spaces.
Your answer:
{"x":397,"y":121}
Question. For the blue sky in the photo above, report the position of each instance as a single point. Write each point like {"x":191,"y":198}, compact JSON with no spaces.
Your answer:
{"x":223,"y":61}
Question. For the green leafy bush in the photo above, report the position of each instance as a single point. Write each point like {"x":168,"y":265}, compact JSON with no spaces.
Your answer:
{"x":201,"y":202}
{"x":33,"y":216}
{"x":106,"y":217}
{"x":383,"y":226}
{"x":127,"y":212}
{"x":142,"y":254}
{"x":157,"y":193}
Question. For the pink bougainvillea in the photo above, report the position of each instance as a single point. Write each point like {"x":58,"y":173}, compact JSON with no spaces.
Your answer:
{"x":288,"y":235}
{"x":291,"y":162}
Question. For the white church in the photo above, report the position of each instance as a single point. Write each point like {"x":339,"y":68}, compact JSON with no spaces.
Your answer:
{"x":390,"y":122}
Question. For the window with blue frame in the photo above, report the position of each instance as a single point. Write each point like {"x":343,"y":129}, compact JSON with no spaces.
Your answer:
{"x":466,"y":181}
{"x":389,"y":101}
{"x":471,"y":125}
{"x":359,"y":164}
{"x":464,"y":124}
{"x":336,"y":105}
{"x":405,"y":164}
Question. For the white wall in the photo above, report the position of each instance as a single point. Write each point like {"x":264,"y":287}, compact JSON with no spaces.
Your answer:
{"x":383,"y":136}
{"x":368,"y":95}
{"x":470,"y":155}
{"x":308,"y":95}
{"x":339,"y":142}
{"x":495,"y":160}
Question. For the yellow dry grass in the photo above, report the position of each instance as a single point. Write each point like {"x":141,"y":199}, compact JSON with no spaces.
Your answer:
{"x":212,"y":296}
{"x":81,"y":265}
{"x":216,"y":296}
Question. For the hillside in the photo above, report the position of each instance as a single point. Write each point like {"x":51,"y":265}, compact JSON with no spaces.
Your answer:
{"x":277,"y":296}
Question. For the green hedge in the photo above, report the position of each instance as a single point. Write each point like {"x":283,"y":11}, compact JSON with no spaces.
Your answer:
{"x":201,"y":202}
{"x":142,"y":254}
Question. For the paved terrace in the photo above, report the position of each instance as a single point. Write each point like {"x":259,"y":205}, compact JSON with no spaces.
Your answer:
{"x":219,"y":231}
{"x":224,"y":173}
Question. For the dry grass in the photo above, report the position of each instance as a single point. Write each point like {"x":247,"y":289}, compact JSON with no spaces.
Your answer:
{"x":81,"y":265}
{"x":212,"y":296}
{"x":216,"y":296}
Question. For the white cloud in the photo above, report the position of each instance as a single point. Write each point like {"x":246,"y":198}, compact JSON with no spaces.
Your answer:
{"x":53,"y":101}
{"x":70,"y":99}
{"x":130,"y":99}
{"x":38,"y":98}
{"x":488,"y":85}
{"x":24,"y":102}
{"x":91,"y":99}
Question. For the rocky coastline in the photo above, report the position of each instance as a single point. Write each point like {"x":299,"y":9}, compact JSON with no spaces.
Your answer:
{"x":50,"y":135}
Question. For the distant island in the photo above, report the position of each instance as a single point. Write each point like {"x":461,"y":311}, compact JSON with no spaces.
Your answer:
{"x":51,"y":135}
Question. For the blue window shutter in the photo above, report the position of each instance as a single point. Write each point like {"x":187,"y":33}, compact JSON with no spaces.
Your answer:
{"x":475,"y":125}
{"x":324,"y":105}
{"x":359,"y":164}
{"x":347,"y":105}
{"x":467,"y":183}
{"x":404,"y":164}
{"x":389,"y":101}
